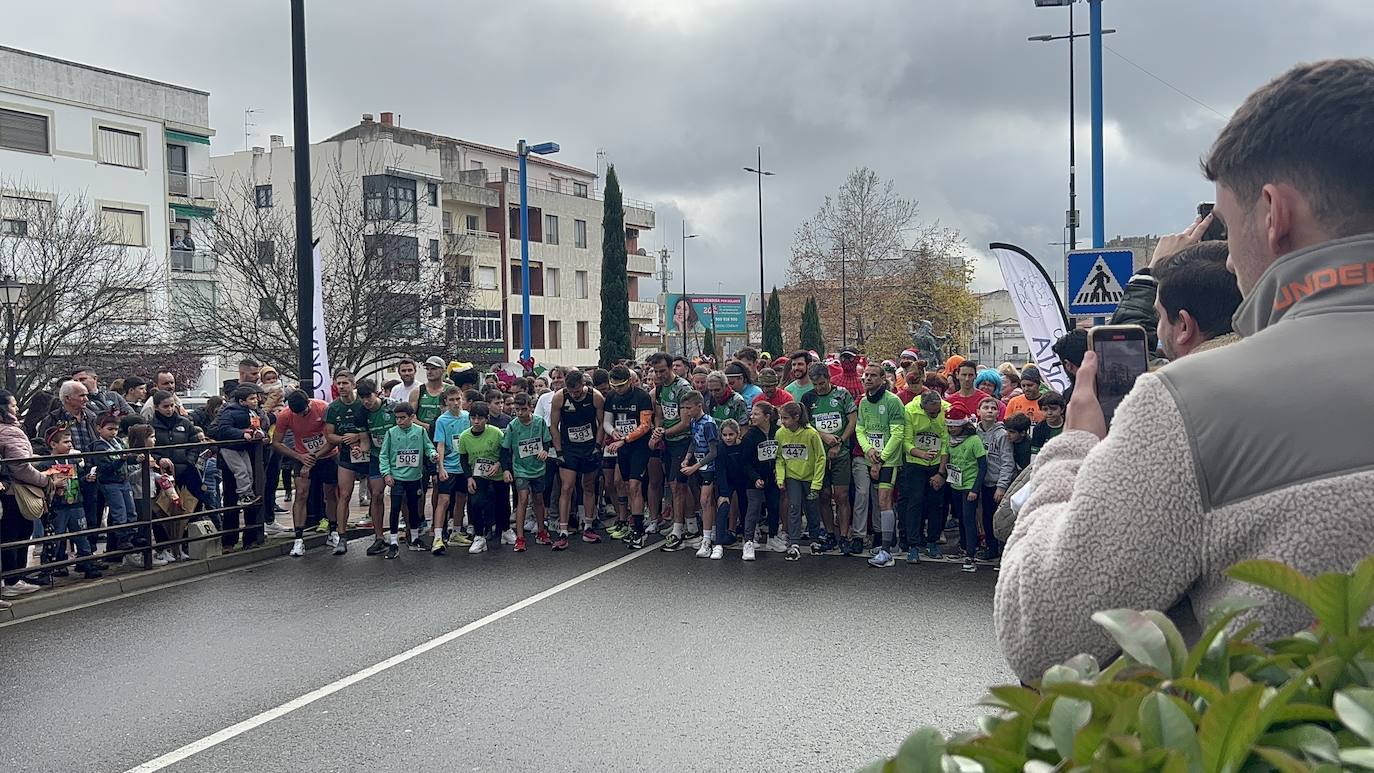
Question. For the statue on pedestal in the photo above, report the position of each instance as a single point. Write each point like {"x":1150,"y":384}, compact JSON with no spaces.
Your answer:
{"x":925,"y":341}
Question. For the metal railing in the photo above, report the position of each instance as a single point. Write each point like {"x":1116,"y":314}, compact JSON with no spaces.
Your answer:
{"x":147,"y":526}
{"x":499,"y":176}
{"x":192,"y":186}
{"x":199,"y":261}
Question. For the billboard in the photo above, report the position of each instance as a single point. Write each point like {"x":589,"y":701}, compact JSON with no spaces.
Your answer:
{"x":700,"y":312}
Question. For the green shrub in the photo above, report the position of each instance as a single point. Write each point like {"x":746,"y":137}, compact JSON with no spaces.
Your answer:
{"x":1305,"y":703}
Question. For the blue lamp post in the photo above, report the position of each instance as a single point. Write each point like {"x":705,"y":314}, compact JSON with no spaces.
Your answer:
{"x":523,"y":150}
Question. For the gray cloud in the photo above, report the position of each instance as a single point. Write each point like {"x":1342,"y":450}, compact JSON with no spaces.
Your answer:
{"x":947,"y":98}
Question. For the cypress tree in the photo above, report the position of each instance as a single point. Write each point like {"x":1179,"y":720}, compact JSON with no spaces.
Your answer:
{"x":772,"y":326}
{"x":811,"y":336}
{"x":615,"y":291}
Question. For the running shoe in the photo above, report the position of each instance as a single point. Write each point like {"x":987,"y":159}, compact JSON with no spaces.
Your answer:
{"x":693,"y":542}
{"x":590,"y":535}
{"x":508,"y":537}
{"x":717,"y":552}
{"x":341,"y":548}
{"x":377,"y":547}
{"x":416,"y":546}
{"x":333,"y":539}
{"x":520,"y":544}
{"x":933,"y":552}
{"x":793,"y":553}
{"x":882,"y":560}
{"x":393,"y":550}
{"x":479,"y":545}
{"x":634,"y":541}
{"x":705,"y":550}
{"x":298,"y":548}
{"x":749,"y":548}
{"x":672,"y":544}
{"x":776,"y":544}
{"x":969,"y":566}
{"x":542,"y":537}
{"x":618,"y":530}
{"x":437,"y":549}
{"x":856,"y":546}
{"x":323,"y":527}
{"x":365,"y":523}
{"x":913,"y":556}
{"x":530,"y":525}
{"x":459,"y":539}
{"x":561,"y":543}
{"x":18,"y":588}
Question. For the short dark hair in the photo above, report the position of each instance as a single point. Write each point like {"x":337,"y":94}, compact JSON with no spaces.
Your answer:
{"x":1052,"y":398}
{"x":573,"y":379}
{"x":106,"y":420}
{"x":133,"y":382}
{"x":479,"y":408}
{"x":344,"y":372}
{"x":1017,"y":422}
{"x":366,"y":387}
{"x":403,"y":408}
{"x":679,"y":358}
{"x":691,"y":397}
{"x":818,"y":370}
{"x":747,"y":353}
{"x":1310,"y":127}
{"x":620,"y":373}
{"x":1195,"y":278}
{"x":804,"y":355}
{"x":658,"y":357}
{"x":160,"y":395}
{"x":472,"y":396}
{"x":249,"y":362}
{"x":242,"y":393}
{"x":1073,"y":345}
{"x":522,"y":399}
{"x":600,"y":377}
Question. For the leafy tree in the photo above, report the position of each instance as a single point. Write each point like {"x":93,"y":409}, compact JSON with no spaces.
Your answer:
{"x":811,"y":336}
{"x":708,"y":344}
{"x":615,"y":291}
{"x":772,"y":325}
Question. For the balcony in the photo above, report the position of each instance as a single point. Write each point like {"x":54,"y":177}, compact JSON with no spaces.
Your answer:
{"x":644,"y":265}
{"x":191,"y":186}
{"x":644,"y":310}
{"x":193,"y":261}
{"x":470,"y":194}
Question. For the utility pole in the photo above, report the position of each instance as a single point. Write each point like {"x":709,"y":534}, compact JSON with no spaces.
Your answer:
{"x":305,"y":263}
{"x":247,"y":123}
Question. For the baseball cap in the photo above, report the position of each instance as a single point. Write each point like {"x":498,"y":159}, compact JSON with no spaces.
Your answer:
{"x":768,"y":378}
{"x":436,"y":362}
{"x":849,"y":351}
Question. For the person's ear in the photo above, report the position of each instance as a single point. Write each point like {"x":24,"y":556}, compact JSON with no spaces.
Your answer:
{"x":1187,"y":333}
{"x":1279,"y":203}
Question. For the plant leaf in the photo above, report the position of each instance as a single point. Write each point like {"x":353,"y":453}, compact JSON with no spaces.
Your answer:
{"x":1330,"y":603}
{"x":1067,"y":717}
{"x":1311,"y":740}
{"x":921,"y":751}
{"x":1139,"y":637}
{"x":1361,"y":591}
{"x":1019,"y":699}
{"x":1277,"y":577}
{"x":1164,"y":724}
{"x":1355,"y":707}
{"x":1229,"y":728}
{"x":1218,"y":617}
{"x":1178,"y":650}
{"x":1086,"y":665}
{"x":1362,"y":757}
{"x":1282,"y":761}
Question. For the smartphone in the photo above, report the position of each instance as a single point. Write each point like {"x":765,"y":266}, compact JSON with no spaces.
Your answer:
{"x":1217,"y":230}
{"x":1121,"y":358}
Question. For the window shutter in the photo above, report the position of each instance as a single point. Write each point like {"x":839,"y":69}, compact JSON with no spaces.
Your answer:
{"x":119,"y":147}
{"x":23,"y":131}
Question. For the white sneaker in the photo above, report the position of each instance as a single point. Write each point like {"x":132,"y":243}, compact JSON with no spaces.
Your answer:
{"x":134,"y":559}
{"x":529,"y":524}
{"x":652,"y":528}
{"x":298,"y":548}
{"x":692,"y":526}
{"x":508,"y":537}
{"x":717,"y":552}
{"x":274,"y":528}
{"x":333,"y":540}
{"x":166,"y":556}
{"x":749,"y":548}
{"x":479,"y":545}
{"x":158,"y":560}
{"x":777,"y":544}
{"x":185,"y":556}
{"x":705,"y":550}
{"x":19,"y":588}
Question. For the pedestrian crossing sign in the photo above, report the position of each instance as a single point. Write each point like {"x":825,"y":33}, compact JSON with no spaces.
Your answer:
{"x":1097,"y":280}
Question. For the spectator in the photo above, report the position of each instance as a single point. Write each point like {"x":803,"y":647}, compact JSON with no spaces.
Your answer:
{"x":134,"y":390}
{"x":40,"y":405}
{"x":1070,"y":349}
{"x":204,"y":416}
{"x":164,"y":381}
{"x":1201,"y":469}
{"x":171,"y":429}
{"x":1196,"y":299}
{"x":14,"y":444}
{"x":250,"y":372}
{"x":1011,"y":381}
{"x":100,"y":401}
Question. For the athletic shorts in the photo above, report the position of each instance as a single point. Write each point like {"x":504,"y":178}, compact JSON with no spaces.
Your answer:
{"x":324,"y":471}
{"x":887,"y":477}
{"x":840,"y":470}
{"x":532,"y":485}
{"x":582,"y":464}
{"x":359,"y":470}
{"x":608,"y":462}
{"x":633,"y":462}
{"x":457,"y":483}
{"x":703,"y":478}
{"x":673,"y":456}
{"x":374,"y":469}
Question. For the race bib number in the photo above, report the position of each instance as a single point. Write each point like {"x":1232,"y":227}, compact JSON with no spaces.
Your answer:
{"x":581,"y":434}
{"x":926,"y":442}
{"x":625,"y":426}
{"x":829,"y":422}
{"x":408,"y":458}
{"x":876,"y":440}
{"x":531,"y":447}
{"x":486,"y":468}
{"x":313,"y":444}
{"x":768,"y":450}
{"x":669,"y":411}
{"x":956,"y":477}
{"x":794,"y":451}
{"x":357,"y":455}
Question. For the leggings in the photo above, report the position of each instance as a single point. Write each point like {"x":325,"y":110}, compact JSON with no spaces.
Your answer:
{"x":799,"y":496}
{"x":763,"y":506}
{"x":968,"y":522}
{"x":407,"y":492}
{"x":485,"y":507}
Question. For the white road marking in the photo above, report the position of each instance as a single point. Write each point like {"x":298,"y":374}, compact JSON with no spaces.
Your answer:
{"x":233,"y":731}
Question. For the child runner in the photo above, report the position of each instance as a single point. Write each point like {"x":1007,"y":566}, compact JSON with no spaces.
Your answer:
{"x":700,"y":465}
{"x":734,"y":476}
{"x":968,"y":466}
{"x":453,"y":484}
{"x":482,"y":452}
{"x":1018,"y":434}
{"x":404,"y":448}
{"x":1001,"y":470}
{"x":380,"y":418}
{"x":527,"y":441}
{"x":761,"y":450}
{"x":800,"y":470}
{"x":927,"y":453}
{"x":1053,"y":406}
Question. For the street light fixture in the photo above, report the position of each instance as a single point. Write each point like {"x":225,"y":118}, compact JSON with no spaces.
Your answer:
{"x":11,"y":294}
{"x":685,"y":237}
{"x":523,"y":150}
{"x":758,"y":170}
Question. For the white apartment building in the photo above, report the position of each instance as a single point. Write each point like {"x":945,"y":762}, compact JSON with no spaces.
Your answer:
{"x":137,"y":150}
{"x":997,"y":336}
{"x":479,"y":200}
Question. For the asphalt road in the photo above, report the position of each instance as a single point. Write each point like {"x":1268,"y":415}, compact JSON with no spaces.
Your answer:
{"x":663,"y":662}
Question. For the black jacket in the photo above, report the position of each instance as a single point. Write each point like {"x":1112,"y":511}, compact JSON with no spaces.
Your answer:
{"x":1137,"y":307}
{"x":175,"y":430}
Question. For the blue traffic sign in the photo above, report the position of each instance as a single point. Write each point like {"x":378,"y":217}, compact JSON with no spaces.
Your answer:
{"x":1097,"y":280}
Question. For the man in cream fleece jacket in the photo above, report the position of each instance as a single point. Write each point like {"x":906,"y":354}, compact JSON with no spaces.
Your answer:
{"x":1209,"y":462}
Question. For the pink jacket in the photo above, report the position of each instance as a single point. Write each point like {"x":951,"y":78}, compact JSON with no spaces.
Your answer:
{"x":14,"y":444}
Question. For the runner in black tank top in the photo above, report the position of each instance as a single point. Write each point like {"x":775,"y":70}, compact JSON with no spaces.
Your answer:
{"x":575,"y":421}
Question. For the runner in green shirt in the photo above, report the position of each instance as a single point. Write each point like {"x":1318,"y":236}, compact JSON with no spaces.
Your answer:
{"x":481,"y":449}
{"x":527,"y":441}
{"x":834,"y":414}
{"x":968,"y":465}
{"x":345,"y":426}
{"x":671,"y":435}
{"x":379,"y":420}
{"x":404,"y":448}
{"x":880,"y":429}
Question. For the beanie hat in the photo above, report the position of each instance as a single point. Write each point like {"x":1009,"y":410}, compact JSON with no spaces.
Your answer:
{"x":956,"y":416}
{"x":1030,"y":373}
{"x":953,"y":363}
{"x":909,"y":354}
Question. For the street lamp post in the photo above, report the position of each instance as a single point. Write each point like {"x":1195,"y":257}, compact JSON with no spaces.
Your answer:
{"x":685,"y":237}
{"x":523,"y":150}
{"x":1071,"y":217}
{"x":758,"y":170}
{"x":11,"y":293}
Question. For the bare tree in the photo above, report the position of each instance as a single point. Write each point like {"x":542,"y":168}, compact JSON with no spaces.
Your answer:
{"x":89,"y":290}
{"x":383,"y":294}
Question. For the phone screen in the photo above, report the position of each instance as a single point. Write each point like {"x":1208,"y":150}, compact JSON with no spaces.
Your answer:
{"x":1121,"y":358}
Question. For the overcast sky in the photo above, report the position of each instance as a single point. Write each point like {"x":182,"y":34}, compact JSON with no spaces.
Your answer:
{"x":947,"y":98}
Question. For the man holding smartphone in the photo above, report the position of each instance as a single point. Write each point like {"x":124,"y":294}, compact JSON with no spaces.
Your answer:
{"x":1202,"y":469}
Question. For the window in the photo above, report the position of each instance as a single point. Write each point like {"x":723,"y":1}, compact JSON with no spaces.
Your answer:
{"x":536,"y":278}
{"x":119,"y":147}
{"x":551,"y":229}
{"x":517,"y":331}
{"x":472,"y":224}
{"x":432,"y":193}
{"x":267,"y":252}
{"x":580,"y":283}
{"x":190,"y":296}
{"x":536,"y":216}
{"x":130,"y":303}
{"x":555,"y":334}
{"x":23,"y":131}
{"x":465,"y":275}
{"x":551,"y":283}
{"x":389,"y":198}
{"x":262,"y":196}
{"x":267,"y":309}
{"x":475,"y":326}
{"x":579,"y":189}
{"x":486,"y":277}
{"x":448,"y":221}
{"x":13,"y":227}
{"x":398,"y":314}
{"x":583,"y":335}
{"x":123,"y":226}
{"x":399,"y":256}
{"x":475,"y":164}
{"x":580,"y":234}
{"x":19,"y":215}
{"x":511,"y":175}
{"x":434,"y":249}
